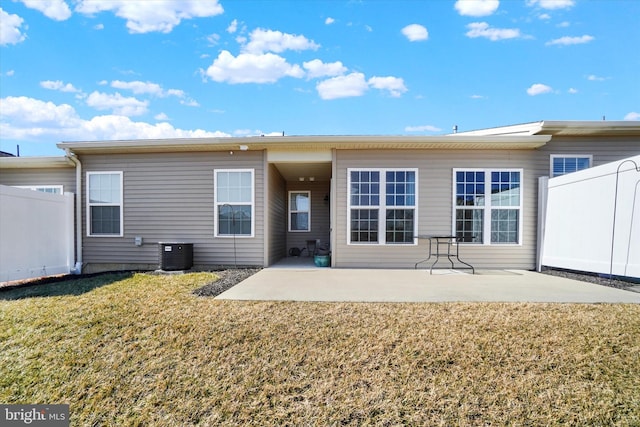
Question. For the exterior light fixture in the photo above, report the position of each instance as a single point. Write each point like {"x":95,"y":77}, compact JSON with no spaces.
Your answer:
{"x":244,"y":148}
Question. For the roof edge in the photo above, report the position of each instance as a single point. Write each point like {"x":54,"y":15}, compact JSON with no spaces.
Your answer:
{"x":35,"y":162}
{"x":298,"y":142}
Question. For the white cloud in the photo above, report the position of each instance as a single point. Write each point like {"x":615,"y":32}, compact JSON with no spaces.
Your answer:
{"x":10,"y":32}
{"x":551,"y":4}
{"x":594,"y":78}
{"x":632,"y":116}
{"x":394,"y":85}
{"x":329,"y":21}
{"x":189,"y":102}
{"x":233,"y":27}
{"x":572,"y":90}
{"x":261,"y":41}
{"x":482,"y":29}
{"x":415,"y":32}
{"x":347,"y":86}
{"x":54,"y":9}
{"x":150,"y":88}
{"x":58,"y":85}
{"x":476,"y":7}
{"x":139,"y":87}
{"x":477,"y":97}
{"x":150,"y":16}
{"x":544,"y":17}
{"x":98,"y":27}
{"x":316,"y":68}
{"x":423,"y":128}
{"x":213,"y":39}
{"x":10,"y":73}
{"x":538,"y":89}
{"x":251,"y":68}
{"x":25,"y":118}
{"x":565,"y":41}
{"x":118,"y":104}
{"x":29,"y":112}
{"x":161,"y":116}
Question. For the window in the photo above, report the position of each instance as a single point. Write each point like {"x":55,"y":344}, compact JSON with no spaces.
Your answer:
{"x":382,"y":199}
{"x":563,"y":164}
{"x":52,"y":189}
{"x":488,"y":204}
{"x":299,"y":211}
{"x":234,"y":202}
{"x":104,"y":203}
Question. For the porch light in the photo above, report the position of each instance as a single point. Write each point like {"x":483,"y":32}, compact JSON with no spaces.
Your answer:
{"x":301,"y":179}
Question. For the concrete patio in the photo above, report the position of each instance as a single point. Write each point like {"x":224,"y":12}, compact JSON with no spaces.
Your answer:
{"x":291,"y":282}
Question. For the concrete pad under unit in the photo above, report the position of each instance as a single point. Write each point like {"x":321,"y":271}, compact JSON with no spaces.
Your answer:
{"x":374,"y":285}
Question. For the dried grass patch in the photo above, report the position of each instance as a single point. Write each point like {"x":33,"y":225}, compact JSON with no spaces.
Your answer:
{"x":143,"y":350}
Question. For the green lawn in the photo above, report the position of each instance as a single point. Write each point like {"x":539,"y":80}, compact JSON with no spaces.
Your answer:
{"x":143,"y":350}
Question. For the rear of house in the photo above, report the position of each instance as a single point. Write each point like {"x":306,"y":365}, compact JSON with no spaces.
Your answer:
{"x":249,"y":201}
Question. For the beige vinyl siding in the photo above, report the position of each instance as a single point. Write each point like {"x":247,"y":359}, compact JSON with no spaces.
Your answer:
{"x":277,"y":213}
{"x":45,"y":176}
{"x":603,"y":149}
{"x":435,"y":207}
{"x":320,"y":228}
{"x":169,"y":197}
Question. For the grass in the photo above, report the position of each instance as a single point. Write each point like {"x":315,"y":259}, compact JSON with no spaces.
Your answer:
{"x":143,"y":350}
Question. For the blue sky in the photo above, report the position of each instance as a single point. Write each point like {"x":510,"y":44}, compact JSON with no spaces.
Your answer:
{"x":121,"y":69}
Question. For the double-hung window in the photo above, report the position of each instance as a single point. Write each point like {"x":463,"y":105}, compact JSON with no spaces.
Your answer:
{"x":488,"y":205}
{"x":563,"y":164}
{"x":104,"y":203}
{"x":234,"y":202}
{"x":382,"y":206}
{"x":299,"y":211}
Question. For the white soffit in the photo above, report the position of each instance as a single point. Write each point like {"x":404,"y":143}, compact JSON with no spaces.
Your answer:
{"x":321,"y":144}
{"x":282,"y":156}
{"x":35,"y":162}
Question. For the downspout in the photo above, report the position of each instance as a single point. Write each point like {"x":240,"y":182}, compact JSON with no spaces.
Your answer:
{"x":78,"y":264}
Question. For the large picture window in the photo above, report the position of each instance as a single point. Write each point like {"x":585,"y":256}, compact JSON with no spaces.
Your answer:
{"x":382,"y":206}
{"x":564,"y":164}
{"x":104,"y":203}
{"x":299,"y":211}
{"x":234,"y":202}
{"x":488,"y":206}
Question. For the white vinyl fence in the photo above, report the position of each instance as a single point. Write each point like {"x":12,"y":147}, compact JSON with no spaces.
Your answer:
{"x":593,"y":220}
{"x":36,"y":233}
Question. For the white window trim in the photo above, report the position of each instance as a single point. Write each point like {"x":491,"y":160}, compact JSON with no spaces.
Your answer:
{"x":487,"y":208}
{"x":568,"y":156}
{"x":382,"y":207}
{"x":120,"y":203}
{"x":39,"y":187}
{"x":252,"y":204}
{"x":308,"y":193}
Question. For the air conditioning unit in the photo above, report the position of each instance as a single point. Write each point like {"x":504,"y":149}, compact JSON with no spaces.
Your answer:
{"x":176,"y":256}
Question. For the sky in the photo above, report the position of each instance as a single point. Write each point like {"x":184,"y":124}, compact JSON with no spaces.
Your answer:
{"x":90,"y":70}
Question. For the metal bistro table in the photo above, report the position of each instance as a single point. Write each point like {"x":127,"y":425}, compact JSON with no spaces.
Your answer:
{"x":441,"y":241}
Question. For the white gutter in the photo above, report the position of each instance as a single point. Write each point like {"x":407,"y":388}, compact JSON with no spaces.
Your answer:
{"x":78,"y":264}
